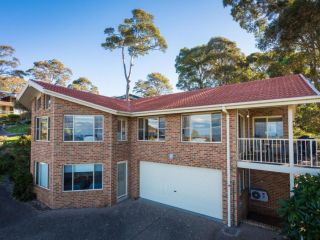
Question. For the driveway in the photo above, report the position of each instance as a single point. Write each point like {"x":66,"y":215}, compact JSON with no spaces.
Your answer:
{"x":130,"y":219}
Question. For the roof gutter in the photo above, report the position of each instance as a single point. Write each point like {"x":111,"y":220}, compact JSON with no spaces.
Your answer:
{"x":228,"y":164}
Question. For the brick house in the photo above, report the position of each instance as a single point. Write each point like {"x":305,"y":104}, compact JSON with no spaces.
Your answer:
{"x":221,"y":152}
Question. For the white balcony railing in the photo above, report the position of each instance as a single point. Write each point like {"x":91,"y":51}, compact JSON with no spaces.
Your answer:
{"x":306,"y":152}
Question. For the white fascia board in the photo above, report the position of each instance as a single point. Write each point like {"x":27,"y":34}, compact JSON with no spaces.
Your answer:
{"x":310,"y":84}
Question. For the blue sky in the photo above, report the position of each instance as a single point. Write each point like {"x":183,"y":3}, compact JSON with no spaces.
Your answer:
{"x":72,"y":32}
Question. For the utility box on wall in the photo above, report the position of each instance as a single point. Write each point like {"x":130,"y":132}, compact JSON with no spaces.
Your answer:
{"x":259,"y":195}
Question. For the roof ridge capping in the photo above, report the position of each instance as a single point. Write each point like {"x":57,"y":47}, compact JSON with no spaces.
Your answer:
{"x":311,"y":85}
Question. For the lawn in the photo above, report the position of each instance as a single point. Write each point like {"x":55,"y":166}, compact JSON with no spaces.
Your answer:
{"x":19,"y":128}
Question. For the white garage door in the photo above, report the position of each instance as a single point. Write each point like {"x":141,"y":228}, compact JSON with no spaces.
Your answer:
{"x":194,"y":189}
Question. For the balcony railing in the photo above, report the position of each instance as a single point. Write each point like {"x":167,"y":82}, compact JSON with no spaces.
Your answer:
{"x":306,"y":152}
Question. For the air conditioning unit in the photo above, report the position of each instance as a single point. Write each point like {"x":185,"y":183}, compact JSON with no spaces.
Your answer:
{"x":259,"y":195}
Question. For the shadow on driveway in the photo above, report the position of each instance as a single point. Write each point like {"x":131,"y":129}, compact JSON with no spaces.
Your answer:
{"x":130,"y":219}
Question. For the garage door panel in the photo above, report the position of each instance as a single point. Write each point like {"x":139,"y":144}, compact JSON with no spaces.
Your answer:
{"x":194,"y":189}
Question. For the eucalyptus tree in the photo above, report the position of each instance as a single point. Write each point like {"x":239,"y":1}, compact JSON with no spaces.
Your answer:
{"x":84,"y":84}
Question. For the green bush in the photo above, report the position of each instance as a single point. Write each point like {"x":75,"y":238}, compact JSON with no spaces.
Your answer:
{"x":15,"y":161}
{"x":301,"y":212}
{"x":13,"y":118}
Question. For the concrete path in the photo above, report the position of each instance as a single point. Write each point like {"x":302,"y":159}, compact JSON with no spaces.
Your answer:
{"x":130,"y":219}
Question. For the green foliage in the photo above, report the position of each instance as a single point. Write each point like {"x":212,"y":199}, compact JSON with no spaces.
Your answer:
{"x":135,"y":37}
{"x":155,"y":85}
{"x":84,"y":84}
{"x":289,"y":26}
{"x":11,"y":79}
{"x":308,"y":118}
{"x":216,"y":63}
{"x":52,"y":71}
{"x":15,"y":161}
{"x":302,"y":211}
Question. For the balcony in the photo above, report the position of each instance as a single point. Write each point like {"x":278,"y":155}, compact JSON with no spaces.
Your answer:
{"x":306,"y":152}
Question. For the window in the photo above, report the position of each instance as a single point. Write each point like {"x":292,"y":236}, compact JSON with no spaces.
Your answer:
{"x":42,"y":128}
{"x":201,"y":128}
{"x":42,"y":174}
{"x":122,"y":130}
{"x":47,"y":101}
{"x":79,"y":177}
{"x":151,"y":129}
{"x":242,"y":180}
{"x":82,"y":128}
{"x":268,"y":127}
{"x":37,"y":103}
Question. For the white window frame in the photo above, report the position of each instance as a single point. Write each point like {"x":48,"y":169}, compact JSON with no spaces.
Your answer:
{"x":193,"y":114}
{"x":144,"y":129}
{"x":267,"y":120}
{"x":126,"y":194}
{"x":122,"y":120}
{"x":48,"y":129}
{"x":36,"y":175}
{"x":84,"y":190}
{"x":94,"y":141}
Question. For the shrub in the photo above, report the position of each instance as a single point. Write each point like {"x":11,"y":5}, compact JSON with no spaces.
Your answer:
{"x":13,"y":118}
{"x":301,"y":212}
{"x":15,"y":161}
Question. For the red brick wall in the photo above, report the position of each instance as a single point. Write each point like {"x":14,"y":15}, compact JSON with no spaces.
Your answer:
{"x":277,"y":186}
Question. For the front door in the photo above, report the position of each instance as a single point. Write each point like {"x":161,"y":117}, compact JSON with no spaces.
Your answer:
{"x":122,"y":180}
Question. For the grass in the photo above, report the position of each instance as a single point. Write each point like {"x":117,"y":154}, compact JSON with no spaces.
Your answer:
{"x":19,"y":128}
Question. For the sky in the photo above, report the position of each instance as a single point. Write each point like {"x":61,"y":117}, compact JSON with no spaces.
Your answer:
{"x":72,"y":32}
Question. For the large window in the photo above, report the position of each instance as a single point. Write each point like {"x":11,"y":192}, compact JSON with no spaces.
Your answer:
{"x":77,"y":177}
{"x":42,"y":128}
{"x":201,"y":128}
{"x":151,"y":129}
{"x":42,"y":174}
{"x":268,"y":127}
{"x":122,"y":129}
{"x":83,"y":128}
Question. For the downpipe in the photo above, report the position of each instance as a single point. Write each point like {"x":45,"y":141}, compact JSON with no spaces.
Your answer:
{"x":228,"y":164}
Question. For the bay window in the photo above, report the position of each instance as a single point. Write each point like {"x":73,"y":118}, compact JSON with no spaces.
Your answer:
{"x":268,"y":127}
{"x":151,"y":129}
{"x":42,"y":129}
{"x":201,"y":127}
{"x":83,"y":128}
{"x":77,"y":177}
{"x":122,"y":129}
{"x":42,"y":174}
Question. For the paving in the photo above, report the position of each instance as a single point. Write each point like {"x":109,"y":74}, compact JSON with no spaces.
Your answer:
{"x":139,"y":219}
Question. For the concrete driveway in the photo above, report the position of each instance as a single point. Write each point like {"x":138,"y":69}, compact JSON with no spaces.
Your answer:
{"x":130,"y":219}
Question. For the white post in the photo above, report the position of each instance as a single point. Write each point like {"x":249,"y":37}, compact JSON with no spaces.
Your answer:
{"x":291,"y":109}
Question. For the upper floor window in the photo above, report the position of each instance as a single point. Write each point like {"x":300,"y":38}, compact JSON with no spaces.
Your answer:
{"x":151,"y":128}
{"x":268,"y":127}
{"x":37,"y":103}
{"x":201,"y":128}
{"x":83,"y":128}
{"x":122,"y":129}
{"x":42,"y":174}
{"x":42,"y":128}
{"x":47,"y":101}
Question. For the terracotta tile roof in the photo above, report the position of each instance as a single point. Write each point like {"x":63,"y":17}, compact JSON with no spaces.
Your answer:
{"x":290,"y":86}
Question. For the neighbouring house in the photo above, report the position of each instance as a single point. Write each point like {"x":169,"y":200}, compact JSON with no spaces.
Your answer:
{"x":7,"y":103}
{"x":222,"y":152}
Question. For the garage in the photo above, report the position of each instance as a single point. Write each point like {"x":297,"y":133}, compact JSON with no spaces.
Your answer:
{"x":191,"y":188}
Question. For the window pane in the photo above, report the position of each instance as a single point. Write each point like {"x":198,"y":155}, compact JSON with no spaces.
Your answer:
{"x":122,"y":179}
{"x":98,"y":135}
{"x":141,"y":123}
{"x":98,"y":176}
{"x":37,"y":173}
{"x":186,"y":134}
{"x":162,"y":123}
{"x":162,"y":133}
{"x":67,"y":185}
{"x":275,"y":128}
{"x":43,"y":128}
{"x":37,"y":128}
{"x":141,"y":135}
{"x":68,"y":121}
{"x":83,"y":128}
{"x":68,"y":135}
{"x":152,"y":130}
{"x":200,"y":125}
{"x":43,"y":179}
{"x":260,"y":128}
{"x":216,"y":127}
{"x":119,"y":129}
{"x":83,"y":177}
{"x":186,"y":122}
{"x":98,"y":122}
